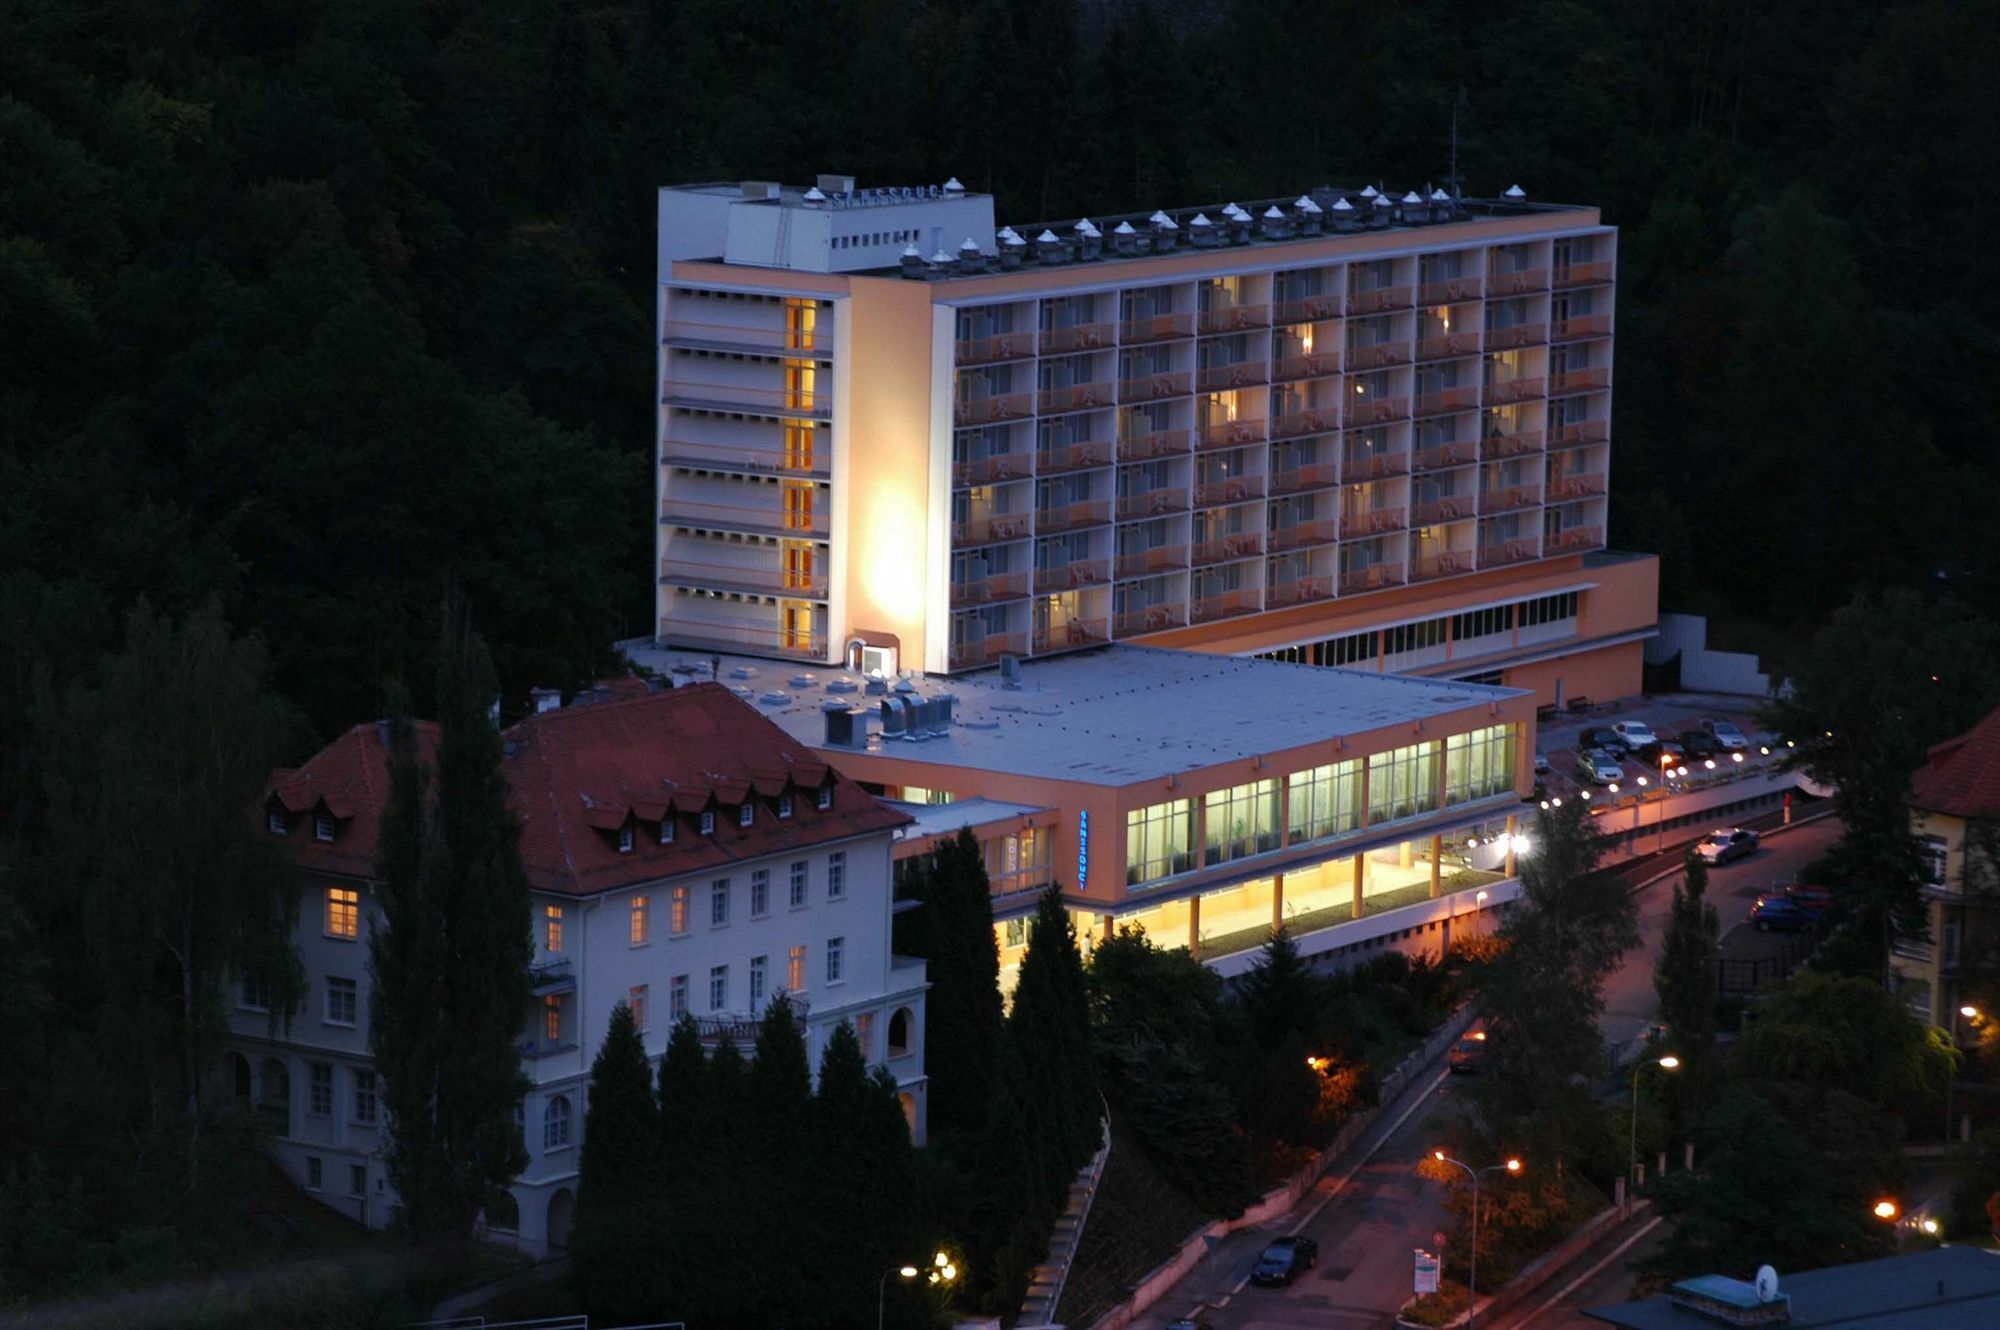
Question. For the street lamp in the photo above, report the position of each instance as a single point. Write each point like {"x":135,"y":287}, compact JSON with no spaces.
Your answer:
{"x":1667,"y":1062}
{"x":1479,"y":918}
{"x":1970,"y":1013}
{"x":940,"y":1271}
{"x":1472,"y":1269}
{"x":1886,"y":1211}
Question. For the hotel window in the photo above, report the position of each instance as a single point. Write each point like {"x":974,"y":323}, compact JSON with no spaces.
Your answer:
{"x":1017,"y":932}
{"x":758,"y":964}
{"x":718,"y":903}
{"x":641,"y":930}
{"x":343,"y":912}
{"x":1325,"y":801}
{"x":1491,"y":622}
{"x":552,"y":923}
{"x":1412,"y":636}
{"x":677,"y":996}
{"x":1242,"y":821}
{"x":552,"y":1018}
{"x":795,"y":969}
{"x":760,"y":893}
{"x":340,"y":1004}
{"x":1548,"y":609}
{"x":364,"y":1097}
{"x":836,"y":949}
{"x":319,"y":1084}
{"x":718,"y":988}
{"x":1159,"y":841}
{"x":1479,"y":764}
{"x":798,"y":885}
{"x":708,"y":822}
{"x":836,"y":875}
{"x":1403,"y":783}
{"x":635,"y":999}
{"x":677,"y":910}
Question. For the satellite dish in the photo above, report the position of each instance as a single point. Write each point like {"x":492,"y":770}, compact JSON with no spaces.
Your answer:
{"x":1767,"y":1284}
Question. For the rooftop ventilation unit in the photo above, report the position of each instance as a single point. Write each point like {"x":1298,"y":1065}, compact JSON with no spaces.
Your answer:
{"x":1202,"y":233}
{"x":835,"y":184}
{"x":1010,"y":671}
{"x":895,"y":717}
{"x":844,"y":726}
{"x":760,"y":189}
{"x":954,"y":190}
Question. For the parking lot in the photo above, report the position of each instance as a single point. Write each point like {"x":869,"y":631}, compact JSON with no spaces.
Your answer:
{"x":1669,"y":715}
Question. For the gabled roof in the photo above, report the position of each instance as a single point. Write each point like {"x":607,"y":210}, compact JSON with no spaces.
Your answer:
{"x":578,"y":774}
{"x":1962,"y":776}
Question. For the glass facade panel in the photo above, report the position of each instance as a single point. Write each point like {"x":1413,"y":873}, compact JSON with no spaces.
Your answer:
{"x":1159,"y":841}
{"x":1403,"y":783}
{"x":1325,"y":801}
{"x":1242,"y":821}
{"x":1480,"y":764}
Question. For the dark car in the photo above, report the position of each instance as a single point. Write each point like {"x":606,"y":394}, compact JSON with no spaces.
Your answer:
{"x":1780,"y":914}
{"x":1283,"y":1260}
{"x":1601,"y":736}
{"x":1699,"y":743}
{"x":1664,"y":753}
{"x":1467,"y":1054}
{"x":1815,"y":898}
{"x":1190,"y":1323}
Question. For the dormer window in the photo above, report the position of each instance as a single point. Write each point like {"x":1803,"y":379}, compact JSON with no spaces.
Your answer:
{"x":322,"y":827}
{"x":277,"y":823}
{"x":667,"y":829}
{"x":708,"y":822}
{"x":785,"y":804}
{"x":746,"y":814}
{"x":625,"y":839}
{"x":825,"y":799}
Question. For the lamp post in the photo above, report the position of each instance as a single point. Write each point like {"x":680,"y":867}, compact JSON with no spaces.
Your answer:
{"x":1666,"y":1063}
{"x":1472,"y":1267}
{"x":941,"y":1271}
{"x":1971,"y":1013}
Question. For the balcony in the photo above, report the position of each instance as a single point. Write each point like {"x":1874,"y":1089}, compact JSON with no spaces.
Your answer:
{"x":1510,"y":445}
{"x":1075,"y":397}
{"x":1434,"y":511}
{"x":1586,"y":485}
{"x":1441,"y":455}
{"x":1513,"y":496}
{"x":1072,"y":516}
{"x":1583,"y":325}
{"x":1500,"y":553}
{"x":739,"y":460}
{"x":1517,"y":283}
{"x":1319,"y":531}
{"x":1152,"y":619}
{"x":1000,"y":346}
{"x":987,"y":590}
{"x":986,"y":410}
{"x":1068,"y":576}
{"x":771,"y":521}
{"x":990,"y":528}
{"x":1152,"y":503}
{"x":1374,"y":522}
{"x":1081,"y":337}
{"x":1502,"y":392}
{"x":1376,"y":577}
{"x":1576,"y":538}
{"x":1375,"y":357}
{"x":1229,"y":434}
{"x":1147,"y":447}
{"x":1450,"y":290}
{"x":1583,"y":431}
{"x":1311,"y":476}
{"x":786,"y":342}
{"x":1304,"y":591}
{"x":1579,"y":381}
{"x":1221,"y":378}
{"x":1312,"y":420}
{"x":1378,"y":410}
{"x":1072,"y":457}
{"x":1241,"y":545}
{"x":758,"y":639}
{"x":1235,"y":489}
{"x":1311,"y":365}
{"x":743,"y":397}
{"x":761,"y":581}
{"x":1223,"y":605}
{"x":987,"y":470}
{"x":986,"y":650}
{"x":1381,"y":298}
{"x":1153,"y":387}
{"x":1158,"y":328}
{"x":1520,"y":334}
{"x":1447,"y":346}
{"x":1445,"y":401}
{"x":1374,"y":466}
{"x":1582,"y":274}
{"x":1443,"y":563}
{"x":1308,"y":309}
{"x":1065,"y":636}
{"x":1159,"y":559}
{"x":1234,"y":318}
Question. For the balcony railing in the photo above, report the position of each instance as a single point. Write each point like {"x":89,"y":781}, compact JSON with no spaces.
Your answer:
{"x":1077,"y":573}
{"x":1374,"y":466}
{"x":1498,"y":554}
{"x":1515,"y":283}
{"x":1373,"y":522}
{"x":1159,"y":559}
{"x":1318,"y":531}
{"x":761,"y":639}
{"x":990,"y":528}
{"x":1065,"y":636}
{"x":1236,"y":489}
{"x":1447,"y":346}
{"x":1072,"y":516}
{"x":986,"y":650}
{"x":1158,"y":328}
{"x":1311,"y":476}
{"x":775,"y":581}
{"x":1378,"y":410}
{"x":1234,"y":318}
{"x":1308,"y":309}
{"x":1443,"y":563}
{"x":1303,"y":591}
{"x":1450,"y":290}
{"x":1072,"y":457}
{"x":1514,"y":390}
{"x":1381,"y":298}
{"x":1520,"y":334}
{"x":986,"y":590}
{"x":1151,"y":619}
{"x":1146,"y":447}
{"x":1082,"y":337}
{"x":1075,"y":397}
{"x":1242,"y":545}
{"x":1435,"y":511}
{"x":1309,"y":365}
{"x":987,"y":470}
{"x":742,"y":1030}
{"x":1224,"y":605}
{"x":1579,"y":381}
{"x":741,"y":396}
{"x":1445,"y":401}
{"x":1513,"y":496}
{"x":1221,"y":378}
{"x":735,"y":457}
{"x":1152,"y":503}
{"x":773,"y":520}
{"x":780,"y":340}
{"x":1375,"y":357}
{"x":1581,"y":486}
{"x":986,"y":410}
{"x":1229,"y":434}
{"x":1511,"y":445}
{"x":1000,"y":346}
{"x":1313,"y":420}
{"x":1583,"y":325}
{"x":1581,"y":274}
{"x":1373,"y":578}
{"x":1152,"y":387}
{"x":1576,"y":538}
{"x":1440,"y":455}
{"x":1583,"y":431}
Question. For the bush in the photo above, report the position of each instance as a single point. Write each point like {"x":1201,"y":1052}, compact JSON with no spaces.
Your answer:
{"x":1436,"y":1309}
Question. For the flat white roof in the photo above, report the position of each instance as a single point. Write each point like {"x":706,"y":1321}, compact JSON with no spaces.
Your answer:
{"x":1110,"y":716}
{"x":947,"y":819}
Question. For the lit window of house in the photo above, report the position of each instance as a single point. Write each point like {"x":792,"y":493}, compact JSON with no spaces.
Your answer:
{"x":552,"y":923}
{"x":641,"y":931}
{"x":343,"y":912}
{"x":795,"y":969}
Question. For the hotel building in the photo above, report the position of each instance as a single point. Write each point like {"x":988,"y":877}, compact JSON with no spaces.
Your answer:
{"x":1350,"y":428}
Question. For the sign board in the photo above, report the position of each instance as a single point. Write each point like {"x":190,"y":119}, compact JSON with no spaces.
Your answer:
{"x":1427,"y":1272}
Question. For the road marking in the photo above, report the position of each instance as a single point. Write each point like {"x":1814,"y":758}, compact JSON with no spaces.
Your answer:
{"x":1591,"y":1273}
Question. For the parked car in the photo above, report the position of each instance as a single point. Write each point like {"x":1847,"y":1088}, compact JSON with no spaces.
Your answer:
{"x":1815,"y":898}
{"x":1699,"y":743}
{"x":1598,"y":768}
{"x":1636,"y":734}
{"x":1467,"y":1054}
{"x":1599,"y":737}
{"x":1727,"y":736}
{"x":1662,"y":753}
{"x":1284,"y":1259}
{"x":1541,"y":762}
{"x":1781,"y":914}
{"x":1719,"y":847}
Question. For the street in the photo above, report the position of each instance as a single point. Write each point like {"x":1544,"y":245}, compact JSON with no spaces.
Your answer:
{"x":1368,"y":1228}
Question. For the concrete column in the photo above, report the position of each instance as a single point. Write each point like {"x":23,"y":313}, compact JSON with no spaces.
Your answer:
{"x":1194,"y":927}
{"x":1405,"y":856}
{"x":1509,"y":866}
{"x":1687,"y":1155}
{"x":1360,"y":864}
{"x":1277,"y":901}
{"x":1437,"y":869}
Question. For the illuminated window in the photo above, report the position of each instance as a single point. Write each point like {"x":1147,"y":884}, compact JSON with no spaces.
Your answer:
{"x":836,"y":957}
{"x":760,"y":893}
{"x":552,"y":919}
{"x":340,"y":1003}
{"x":836,"y":875}
{"x":1159,"y":841}
{"x":364,"y":1097}
{"x":1480,"y":764}
{"x":799,"y":438}
{"x":864,"y":1033}
{"x":758,"y":964}
{"x":552,"y":1018}
{"x":343,"y":912}
{"x":798,"y":884}
{"x":1325,"y":801}
{"x":555,"y":1123}
{"x":718,"y":988}
{"x":319,"y":1089}
{"x":1403,"y":783}
{"x":1242,"y":820}
{"x":795,"y":969}
{"x":642,"y":922}
{"x":677,"y":910}
{"x":635,"y":998}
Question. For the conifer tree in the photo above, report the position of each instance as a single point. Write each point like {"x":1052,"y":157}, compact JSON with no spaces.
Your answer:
{"x":1049,"y":1031}
{"x":1279,"y":993}
{"x":1685,"y":978}
{"x":783,"y":1173}
{"x":676,"y":1216}
{"x":865,"y":1177}
{"x":618,"y":1176}
{"x":962,"y":1013}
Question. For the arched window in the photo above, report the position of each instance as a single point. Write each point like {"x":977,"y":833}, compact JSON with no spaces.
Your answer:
{"x":555,"y":1123}
{"x":899,"y":1032}
{"x":504,"y":1214}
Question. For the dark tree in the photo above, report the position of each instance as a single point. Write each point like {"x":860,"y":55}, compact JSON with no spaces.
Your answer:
{"x":679,"y":1226}
{"x":1049,"y":1031}
{"x":781,"y":1168}
{"x":1686,"y":980}
{"x":1279,"y":993}
{"x":612,"y":1247}
{"x":865,"y":1179}
{"x":962,"y":1012}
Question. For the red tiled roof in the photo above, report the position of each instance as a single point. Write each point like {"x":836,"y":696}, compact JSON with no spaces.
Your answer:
{"x":1962,"y":776}
{"x":580,"y":773}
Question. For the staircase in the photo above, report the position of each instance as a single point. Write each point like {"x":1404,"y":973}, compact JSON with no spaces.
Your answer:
{"x":1045,"y":1286}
